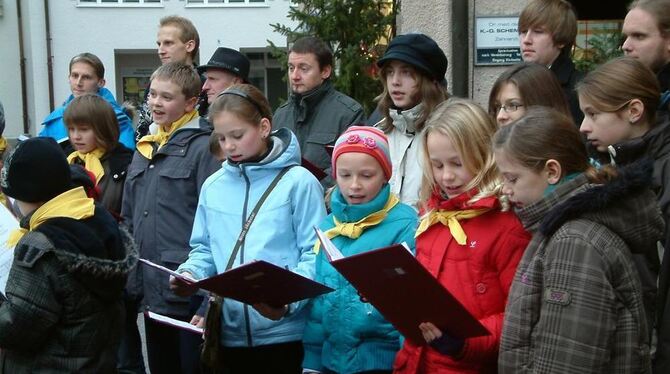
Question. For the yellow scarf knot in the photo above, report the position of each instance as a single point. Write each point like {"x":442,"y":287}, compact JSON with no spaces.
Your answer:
{"x":354,"y":230}
{"x":145,"y":144}
{"x":450,"y":219}
{"x":91,"y":162}
{"x":70,"y":204}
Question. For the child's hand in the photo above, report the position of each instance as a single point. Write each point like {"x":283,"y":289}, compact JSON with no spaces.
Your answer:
{"x":443,"y":343}
{"x":430,"y":332}
{"x":198,"y":321}
{"x":181,"y":288}
{"x":271,"y":312}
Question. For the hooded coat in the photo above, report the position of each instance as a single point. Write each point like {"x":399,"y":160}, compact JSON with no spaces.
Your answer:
{"x":282,"y":233}
{"x":576,"y":303}
{"x":63,"y":311}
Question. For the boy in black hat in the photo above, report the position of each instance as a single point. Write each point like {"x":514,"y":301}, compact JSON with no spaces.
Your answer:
{"x":63,"y":309}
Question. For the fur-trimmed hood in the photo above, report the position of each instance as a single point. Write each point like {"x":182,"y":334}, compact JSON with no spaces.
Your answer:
{"x":94,"y":250}
{"x":625,"y":205}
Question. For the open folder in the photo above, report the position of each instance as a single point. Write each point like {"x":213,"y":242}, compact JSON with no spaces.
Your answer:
{"x":255,"y":282}
{"x":403,"y":291}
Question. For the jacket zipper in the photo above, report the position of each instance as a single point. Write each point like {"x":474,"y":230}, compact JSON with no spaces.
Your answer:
{"x":247,"y":322}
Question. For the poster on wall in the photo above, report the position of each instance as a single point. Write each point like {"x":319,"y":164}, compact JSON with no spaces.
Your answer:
{"x":497,"y":41}
{"x":135,"y":82}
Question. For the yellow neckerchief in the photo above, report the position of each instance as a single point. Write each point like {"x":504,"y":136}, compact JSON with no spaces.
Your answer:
{"x":450,"y":219}
{"x":91,"y":161}
{"x":145,"y":145}
{"x":70,"y":204}
{"x":3,"y":143}
{"x":354,"y":230}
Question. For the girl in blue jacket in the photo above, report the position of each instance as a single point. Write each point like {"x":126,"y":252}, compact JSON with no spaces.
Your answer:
{"x":345,"y":334}
{"x":258,"y":338}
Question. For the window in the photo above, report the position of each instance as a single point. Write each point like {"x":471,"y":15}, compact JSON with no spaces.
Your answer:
{"x":267,"y":75}
{"x":226,"y":2}
{"x":120,"y":2}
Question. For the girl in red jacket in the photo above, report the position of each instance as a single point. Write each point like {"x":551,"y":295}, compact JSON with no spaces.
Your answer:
{"x":466,"y":239}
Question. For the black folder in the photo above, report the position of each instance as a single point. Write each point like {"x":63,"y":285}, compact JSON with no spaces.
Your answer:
{"x":256,"y":282}
{"x":403,"y":291}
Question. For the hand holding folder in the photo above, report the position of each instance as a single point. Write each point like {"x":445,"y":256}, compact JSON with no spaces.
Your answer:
{"x":254,"y":283}
{"x":403,"y":291}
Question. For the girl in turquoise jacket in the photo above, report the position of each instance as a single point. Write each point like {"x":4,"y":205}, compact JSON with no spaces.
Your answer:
{"x":345,"y":334}
{"x":258,"y":338}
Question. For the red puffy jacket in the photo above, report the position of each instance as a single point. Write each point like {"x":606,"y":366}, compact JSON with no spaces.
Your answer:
{"x":478,"y":274}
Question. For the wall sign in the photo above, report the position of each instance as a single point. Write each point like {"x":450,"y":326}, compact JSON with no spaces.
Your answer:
{"x":497,"y":41}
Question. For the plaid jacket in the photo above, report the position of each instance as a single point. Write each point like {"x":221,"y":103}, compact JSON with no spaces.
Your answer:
{"x":64,"y":308}
{"x":576,"y":302}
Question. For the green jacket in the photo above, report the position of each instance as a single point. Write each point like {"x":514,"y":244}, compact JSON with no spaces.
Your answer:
{"x":63,"y":311}
{"x":317,"y":118}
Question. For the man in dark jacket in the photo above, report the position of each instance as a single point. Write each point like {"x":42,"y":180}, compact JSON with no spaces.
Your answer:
{"x":547,"y":32}
{"x":315,"y":112}
{"x":647,"y":31}
{"x":63,"y":311}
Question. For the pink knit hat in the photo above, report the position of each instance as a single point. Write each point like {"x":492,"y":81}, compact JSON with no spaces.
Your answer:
{"x":364,"y":139}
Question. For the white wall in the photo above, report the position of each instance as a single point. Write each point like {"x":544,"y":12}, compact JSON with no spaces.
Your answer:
{"x":101,"y":31}
{"x":10,"y":83}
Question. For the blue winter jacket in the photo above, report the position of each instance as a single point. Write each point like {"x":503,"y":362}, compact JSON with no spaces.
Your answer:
{"x":54,"y":127}
{"x":343,"y":334}
{"x":282,"y":234}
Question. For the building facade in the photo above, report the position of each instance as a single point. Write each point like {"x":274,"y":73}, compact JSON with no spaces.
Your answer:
{"x":40,"y":37}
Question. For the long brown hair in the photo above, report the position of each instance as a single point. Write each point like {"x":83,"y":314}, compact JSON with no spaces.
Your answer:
{"x":614,"y":84}
{"x":245,"y":101}
{"x":544,"y":134}
{"x":536,"y":84}
{"x":432,"y":94}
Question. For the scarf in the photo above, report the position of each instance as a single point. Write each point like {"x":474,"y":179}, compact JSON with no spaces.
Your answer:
{"x":70,"y":204}
{"x":354,"y":230}
{"x":450,"y":212}
{"x":146,"y":144}
{"x":3,"y":144}
{"x":405,"y":120}
{"x":91,"y":162}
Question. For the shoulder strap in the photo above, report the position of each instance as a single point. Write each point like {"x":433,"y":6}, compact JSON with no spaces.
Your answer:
{"x":252,"y":216}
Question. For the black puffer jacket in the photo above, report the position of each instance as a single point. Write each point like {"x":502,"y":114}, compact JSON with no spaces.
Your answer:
{"x":64,"y":311}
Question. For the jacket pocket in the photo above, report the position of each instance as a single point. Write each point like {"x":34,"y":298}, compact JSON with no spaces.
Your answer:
{"x":315,"y":148}
{"x":171,"y":259}
{"x":175,"y":182}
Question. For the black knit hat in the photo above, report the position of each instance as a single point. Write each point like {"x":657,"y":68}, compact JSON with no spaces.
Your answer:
{"x":35,"y":171}
{"x":228,"y":59}
{"x":420,"y":51}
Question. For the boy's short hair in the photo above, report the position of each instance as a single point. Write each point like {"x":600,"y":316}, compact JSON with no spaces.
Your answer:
{"x":556,"y":16}
{"x":90,"y":59}
{"x":312,"y":44}
{"x":180,"y":74}
{"x":188,"y":30}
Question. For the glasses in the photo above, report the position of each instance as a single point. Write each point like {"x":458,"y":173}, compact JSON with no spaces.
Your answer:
{"x":509,"y":108}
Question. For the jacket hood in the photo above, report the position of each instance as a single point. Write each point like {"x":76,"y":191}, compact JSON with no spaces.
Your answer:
{"x":93,"y":251}
{"x":285,"y":152}
{"x":625,"y":205}
{"x":103,"y":92}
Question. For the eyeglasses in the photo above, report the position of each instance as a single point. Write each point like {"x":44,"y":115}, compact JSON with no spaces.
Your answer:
{"x":509,"y":108}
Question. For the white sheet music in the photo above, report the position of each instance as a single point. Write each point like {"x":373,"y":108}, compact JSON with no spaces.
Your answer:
{"x":8,"y":223}
{"x":327,"y":245}
{"x":174,"y":322}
